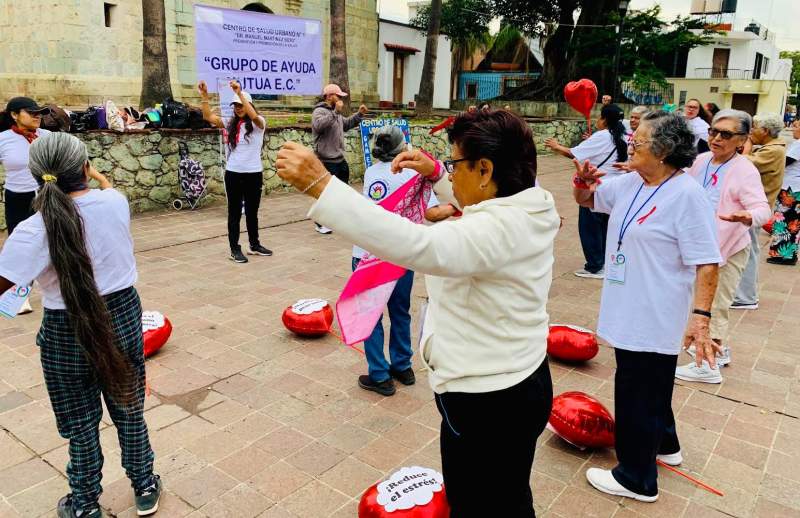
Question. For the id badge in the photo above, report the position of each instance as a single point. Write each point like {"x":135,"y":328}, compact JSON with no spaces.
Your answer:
{"x":11,"y":301}
{"x":616,"y":268}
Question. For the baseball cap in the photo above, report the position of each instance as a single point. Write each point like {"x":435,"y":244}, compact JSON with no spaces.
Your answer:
{"x":333,"y":89}
{"x":247,"y":97}
{"x":26,"y":103}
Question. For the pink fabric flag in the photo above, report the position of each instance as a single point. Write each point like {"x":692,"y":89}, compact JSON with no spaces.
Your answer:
{"x":366,"y":293}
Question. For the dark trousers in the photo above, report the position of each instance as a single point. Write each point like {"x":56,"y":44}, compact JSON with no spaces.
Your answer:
{"x":243,"y":187}
{"x":75,"y":393}
{"x":592,"y":229}
{"x":645,"y":426}
{"x":339,"y":169}
{"x":488,"y":441}
{"x":19,"y":207}
{"x":400,"y":351}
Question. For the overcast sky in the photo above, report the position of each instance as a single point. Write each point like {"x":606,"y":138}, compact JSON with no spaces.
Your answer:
{"x":780,"y":16}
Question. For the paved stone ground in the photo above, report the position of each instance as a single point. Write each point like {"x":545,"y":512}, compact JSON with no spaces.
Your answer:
{"x":246,"y":420}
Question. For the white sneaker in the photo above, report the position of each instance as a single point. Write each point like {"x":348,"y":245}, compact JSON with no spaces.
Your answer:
{"x":744,"y":305}
{"x":722,"y":359}
{"x":324,"y":230}
{"x":672,"y":459}
{"x":702,"y":374}
{"x":585,"y":274}
{"x":26,"y":308}
{"x":604,"y":481}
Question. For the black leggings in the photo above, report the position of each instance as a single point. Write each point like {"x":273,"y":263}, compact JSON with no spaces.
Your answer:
{"x":488,"y":440}
{"x":243,"y":187}
{"x":18,"y":208}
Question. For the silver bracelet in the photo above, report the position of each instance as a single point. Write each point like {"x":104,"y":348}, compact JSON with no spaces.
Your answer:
{"x":315,"y":182}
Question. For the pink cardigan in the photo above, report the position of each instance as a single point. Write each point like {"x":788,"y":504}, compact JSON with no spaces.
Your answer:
{"x":741,"y":190}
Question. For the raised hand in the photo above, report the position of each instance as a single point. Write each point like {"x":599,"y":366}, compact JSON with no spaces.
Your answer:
{"x":416,"y":160}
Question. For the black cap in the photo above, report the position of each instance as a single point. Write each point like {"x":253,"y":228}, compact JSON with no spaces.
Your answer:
{"x":26,"y":103}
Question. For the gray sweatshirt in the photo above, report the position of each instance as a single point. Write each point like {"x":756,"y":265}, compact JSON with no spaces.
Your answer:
{"x":327,"y":130}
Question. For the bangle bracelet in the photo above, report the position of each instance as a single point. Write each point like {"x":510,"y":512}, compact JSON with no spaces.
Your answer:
{"x":315,"y":182}
{"x":702,"y":313}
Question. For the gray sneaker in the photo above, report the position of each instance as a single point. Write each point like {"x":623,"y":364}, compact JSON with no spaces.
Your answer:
{"x":147,"y":499}
{"x":66,"y":510}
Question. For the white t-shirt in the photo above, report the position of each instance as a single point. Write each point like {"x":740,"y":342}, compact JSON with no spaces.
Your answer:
{"x":246,"y":157}
{"x":672,"y":233}
{"x":14,"y":149}
{"x":599,"y":149}
{"x":791,"y":177}
{"x":106,"y":222}
{"x":711,"y":180}
{"x":380,"y":182}
{"x":700,"y":129}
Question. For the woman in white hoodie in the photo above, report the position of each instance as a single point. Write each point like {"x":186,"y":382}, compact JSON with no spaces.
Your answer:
{"x":489,"y":274}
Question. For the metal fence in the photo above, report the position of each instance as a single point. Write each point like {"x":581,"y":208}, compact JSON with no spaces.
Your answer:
{"x":723,"y":73}
{"x":651,"y":94}
{"x":482,"y":86}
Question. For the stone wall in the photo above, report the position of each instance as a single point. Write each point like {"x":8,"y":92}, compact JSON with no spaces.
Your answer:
{"x":542,"y":109}
{"x":144,"y":165}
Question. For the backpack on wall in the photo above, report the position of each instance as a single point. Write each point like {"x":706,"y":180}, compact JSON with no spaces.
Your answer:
{"x":174,"y":114}
{"x":57,"y":119}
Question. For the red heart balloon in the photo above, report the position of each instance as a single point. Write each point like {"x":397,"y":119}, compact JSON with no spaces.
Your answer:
{"x":413,"y":492}
{"x":308,"y":317}
{"x":156,"y":330}
{"x":571,"y":343}
{"x":582,"y":420}
{"x":581,"y":95}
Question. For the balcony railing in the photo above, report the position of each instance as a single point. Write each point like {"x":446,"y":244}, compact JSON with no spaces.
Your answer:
{"x":723,"y":73}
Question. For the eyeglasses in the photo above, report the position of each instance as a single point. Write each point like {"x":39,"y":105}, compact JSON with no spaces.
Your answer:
{"x":450,"y":165}
{"x":724,"y":135}
{"x":636,"y":145}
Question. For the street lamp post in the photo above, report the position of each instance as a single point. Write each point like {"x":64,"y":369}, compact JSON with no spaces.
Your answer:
{"x":623,"y":9}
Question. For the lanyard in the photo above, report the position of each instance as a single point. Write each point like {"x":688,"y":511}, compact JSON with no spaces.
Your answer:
{"x":624,"y":227}
{"x":713,"y":179}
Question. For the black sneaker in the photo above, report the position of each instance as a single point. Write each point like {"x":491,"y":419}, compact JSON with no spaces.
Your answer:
{"x":405,"y":377}
{"x":384,"y":388}
{"x":744,"y":305}
{"x":782,"y":260}
{"x":237,"y":256}
{"x":66,"y":510}
{"x":259,"y":250}
{"x":147,"y":499}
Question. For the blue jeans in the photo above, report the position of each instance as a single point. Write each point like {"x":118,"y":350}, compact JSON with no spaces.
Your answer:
{"x":399,"y":334}
{"x":592,"y":229}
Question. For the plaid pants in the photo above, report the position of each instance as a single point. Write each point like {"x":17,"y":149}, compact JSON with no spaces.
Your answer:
{"x":75,"y":393}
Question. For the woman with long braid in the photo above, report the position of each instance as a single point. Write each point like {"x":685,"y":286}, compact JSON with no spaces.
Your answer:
{"x":602,"y":149}
{"x":78,"y":246}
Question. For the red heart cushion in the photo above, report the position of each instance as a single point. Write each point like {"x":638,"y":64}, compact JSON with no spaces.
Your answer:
{"x":308,"y":317}
{"x":581,"y":95}
{"x":582,"y":420}
{"x":571,"y":343}
{"x":156,"y":330}
{"x":413,"y":492}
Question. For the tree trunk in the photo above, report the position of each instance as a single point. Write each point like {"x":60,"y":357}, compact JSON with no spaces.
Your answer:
{"x":425,"y":97}
{"x":597,"y":12}
{"x":555,"y":73}
{"x":155,"y":63}
{"x":338,"y":68}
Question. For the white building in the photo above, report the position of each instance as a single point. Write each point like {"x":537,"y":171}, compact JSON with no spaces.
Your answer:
{"x":740,"y":69}
{"x":401,"y":55}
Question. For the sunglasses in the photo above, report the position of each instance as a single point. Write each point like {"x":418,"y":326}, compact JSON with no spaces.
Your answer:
{"x":450,"y":165}
{"x":724,"y":135}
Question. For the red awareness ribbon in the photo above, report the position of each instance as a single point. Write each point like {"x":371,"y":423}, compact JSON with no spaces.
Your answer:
{"x":644,"y":218}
